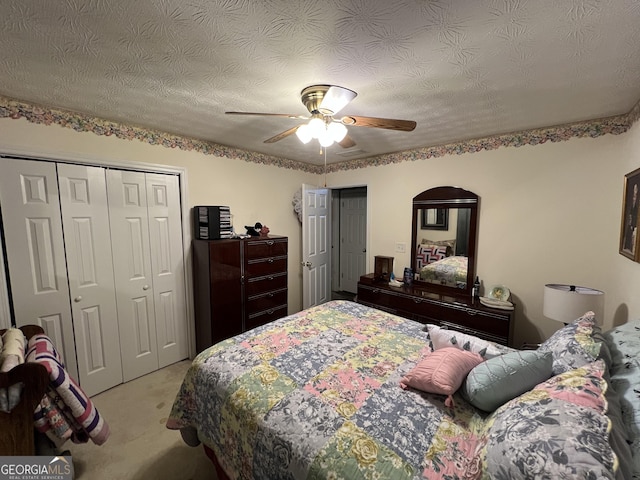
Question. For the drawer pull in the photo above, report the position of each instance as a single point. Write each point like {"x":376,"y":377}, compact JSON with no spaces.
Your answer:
{"x":270,"y":242}
{"x":269,"y":278}
{"x":375,"y":290}
{"x":417,"y":300}
{"x":271,"y":260}
{"x":471,"y":312}
{"x":270,"y":311}
{"x":270,"y":295}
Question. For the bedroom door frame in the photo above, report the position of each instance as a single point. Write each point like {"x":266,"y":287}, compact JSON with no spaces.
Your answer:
{"x":180,"y":172}
{"x":338,"y":238}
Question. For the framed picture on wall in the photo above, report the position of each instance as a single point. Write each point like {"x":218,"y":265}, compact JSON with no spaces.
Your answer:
{"x":435,"y":219}
{"x":629,"y":236}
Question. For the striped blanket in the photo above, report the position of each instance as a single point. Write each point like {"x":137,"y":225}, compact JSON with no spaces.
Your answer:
{"x":65,"y":412}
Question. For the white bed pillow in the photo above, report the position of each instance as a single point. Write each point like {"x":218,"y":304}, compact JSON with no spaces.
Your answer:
{"x":442,"y":338}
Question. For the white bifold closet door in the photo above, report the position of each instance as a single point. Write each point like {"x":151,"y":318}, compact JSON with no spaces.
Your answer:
{"x":35,"y":252}
{"x":83,"y":198}
{"x":147,"y":246}
{"x":95,"y":256}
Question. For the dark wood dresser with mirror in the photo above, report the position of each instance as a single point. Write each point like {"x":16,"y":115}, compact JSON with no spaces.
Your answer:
{"x":443,"y":261}
{"x":464,"y":314}
{"x":239,"y":284}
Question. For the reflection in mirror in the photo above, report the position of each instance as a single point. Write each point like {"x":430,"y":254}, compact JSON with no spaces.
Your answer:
{"x":444,"y":239}
{"x":442,"y":254}
{"x":434,"y":219}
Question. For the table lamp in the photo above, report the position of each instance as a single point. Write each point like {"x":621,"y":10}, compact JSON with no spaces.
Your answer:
{"x":565,"y":303}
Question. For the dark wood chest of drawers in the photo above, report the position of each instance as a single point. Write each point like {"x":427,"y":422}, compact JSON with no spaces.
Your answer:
{"x":239,"y":284}
{"x":463,"y":314}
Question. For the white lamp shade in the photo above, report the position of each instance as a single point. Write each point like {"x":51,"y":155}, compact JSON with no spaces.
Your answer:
{"x":317,"y":127}
{"x":335,"y":99}
{"x":325,"y":138}
{"x":337,"y":130}
{"x":304,"y":133}
{"x":565,"y":303}
{"x":325,"y":133}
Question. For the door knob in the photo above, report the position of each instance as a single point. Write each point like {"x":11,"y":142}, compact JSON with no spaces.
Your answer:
{"x":78,"y":299}
{"x":146,"y":287}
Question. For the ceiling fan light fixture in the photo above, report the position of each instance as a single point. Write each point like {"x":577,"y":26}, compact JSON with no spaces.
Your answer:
{"x":323,"y":102}
{"x":325,"y":139}
{"x":316,"y":127}
{"x":304,"y":133}
{"x":338,"y":131}
{"x":335,"y":99}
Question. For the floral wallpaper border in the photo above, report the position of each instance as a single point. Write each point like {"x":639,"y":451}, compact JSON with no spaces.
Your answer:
{"x":15,"y":109}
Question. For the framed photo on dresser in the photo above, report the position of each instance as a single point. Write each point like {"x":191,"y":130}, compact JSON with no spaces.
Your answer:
{"x":629,"y":237}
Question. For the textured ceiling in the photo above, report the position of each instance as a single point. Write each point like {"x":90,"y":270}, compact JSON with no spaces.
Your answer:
{"x":461,"y":69}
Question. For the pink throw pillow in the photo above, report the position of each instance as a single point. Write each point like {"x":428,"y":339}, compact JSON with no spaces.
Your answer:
{"x":442,"y":371}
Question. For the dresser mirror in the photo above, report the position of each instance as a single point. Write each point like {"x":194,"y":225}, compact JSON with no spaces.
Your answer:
{"x":444,"y":229}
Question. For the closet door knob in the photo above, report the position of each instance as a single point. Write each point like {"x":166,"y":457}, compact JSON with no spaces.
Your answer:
{"x":146,"y":287}
{"x":78,"y":299}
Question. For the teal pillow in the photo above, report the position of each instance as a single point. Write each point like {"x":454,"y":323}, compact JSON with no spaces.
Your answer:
{"x":499,"y":379}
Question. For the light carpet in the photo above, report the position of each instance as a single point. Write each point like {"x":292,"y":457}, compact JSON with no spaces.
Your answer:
{"x":140,"y":445}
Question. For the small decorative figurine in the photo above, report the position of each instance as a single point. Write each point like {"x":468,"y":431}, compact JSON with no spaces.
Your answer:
{"x":255,"y":230}
{"x":258,"y":230}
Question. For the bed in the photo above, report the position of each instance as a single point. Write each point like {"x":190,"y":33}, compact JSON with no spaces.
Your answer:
{"x":435,"y":263}
{"x":346,"y":391}
{"x":450,"y":271}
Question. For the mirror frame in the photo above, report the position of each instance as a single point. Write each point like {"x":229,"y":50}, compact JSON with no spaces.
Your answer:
{"x":447,"y":197}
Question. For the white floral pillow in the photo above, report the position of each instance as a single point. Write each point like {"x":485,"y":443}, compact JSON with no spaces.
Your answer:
{"x":575,"y":344}
{"x":442,"y":338}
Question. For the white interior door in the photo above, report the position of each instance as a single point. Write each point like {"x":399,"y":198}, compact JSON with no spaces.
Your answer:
{"x":35,"y":252}
{"x":353,"y":238}
{"x":316,"y":278}
{"x":167,"y":267}
{"x":128,"y":218}
{"x":83,"y":199}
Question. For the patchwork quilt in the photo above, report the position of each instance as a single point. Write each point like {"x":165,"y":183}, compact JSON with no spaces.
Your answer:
{"x":450,"y":271}
{"x":317,"y":395}
{"x":65,"y":411}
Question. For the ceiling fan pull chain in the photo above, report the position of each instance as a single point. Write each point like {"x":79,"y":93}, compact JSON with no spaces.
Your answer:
{"x":325,"y":167}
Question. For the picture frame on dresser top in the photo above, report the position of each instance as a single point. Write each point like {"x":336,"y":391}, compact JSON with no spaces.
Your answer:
{"x":462,"y":313}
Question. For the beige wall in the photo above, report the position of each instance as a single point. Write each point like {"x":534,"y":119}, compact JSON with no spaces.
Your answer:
{"x":549,"y":213}
{"x":254,"y":192}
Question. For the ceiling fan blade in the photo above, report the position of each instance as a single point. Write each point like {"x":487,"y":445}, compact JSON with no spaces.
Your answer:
{"x":389,"y":123}
{"x":282,"y":135}
{"x":347,"y":142}
{"x":288,"y":115}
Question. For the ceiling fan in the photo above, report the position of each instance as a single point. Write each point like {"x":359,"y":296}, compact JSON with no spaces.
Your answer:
{"x":323,"y":102}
